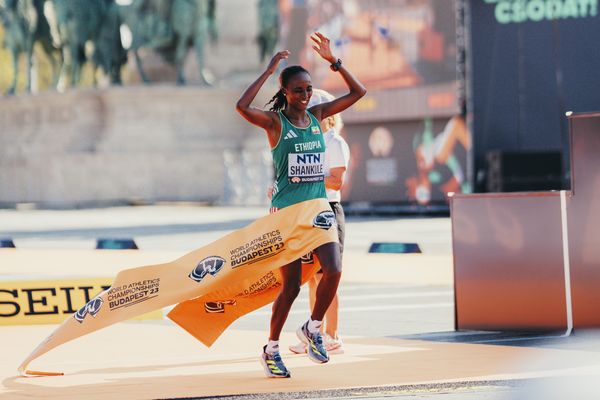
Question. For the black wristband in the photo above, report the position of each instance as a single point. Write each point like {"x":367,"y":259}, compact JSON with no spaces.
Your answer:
{"x":336,"y":65}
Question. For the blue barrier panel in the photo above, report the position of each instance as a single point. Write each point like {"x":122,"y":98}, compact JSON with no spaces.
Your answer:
{"x":394,"y":247}
{"x":7,"y":243}
{"x":116,"y":244}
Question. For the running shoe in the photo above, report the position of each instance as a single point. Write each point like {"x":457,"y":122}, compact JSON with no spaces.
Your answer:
{"x":334,"y":346}
{"x":314,"y":342}
{"x":299,"y":348}
{"x":273,"y":365}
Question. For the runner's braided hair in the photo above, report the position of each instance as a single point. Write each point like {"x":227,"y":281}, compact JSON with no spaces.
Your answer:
{"x":279,"y":101}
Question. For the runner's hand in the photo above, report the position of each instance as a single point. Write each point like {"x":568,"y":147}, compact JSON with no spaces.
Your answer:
{"x":272,"y":67}
{"x":322,"y":47}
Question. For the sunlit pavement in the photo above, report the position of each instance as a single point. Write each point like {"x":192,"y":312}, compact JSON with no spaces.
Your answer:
{"x":396,"y":319}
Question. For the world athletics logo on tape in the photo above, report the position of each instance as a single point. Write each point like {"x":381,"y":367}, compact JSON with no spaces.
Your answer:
{"x":210,"y":265}
{"x":218,"y":307}
{"x":92,"y":308}
{"x":324,"y":220}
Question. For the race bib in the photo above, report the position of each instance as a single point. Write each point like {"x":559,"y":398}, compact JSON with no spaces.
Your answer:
{"x":306,"y":167}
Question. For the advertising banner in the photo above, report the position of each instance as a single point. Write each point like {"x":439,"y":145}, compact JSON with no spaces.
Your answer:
{"x":404,"y":51}
{"x":407,"y":161}
{"x":50,"y":301}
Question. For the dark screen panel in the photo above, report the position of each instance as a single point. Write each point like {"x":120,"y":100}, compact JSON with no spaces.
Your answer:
{"x":530,"y":63}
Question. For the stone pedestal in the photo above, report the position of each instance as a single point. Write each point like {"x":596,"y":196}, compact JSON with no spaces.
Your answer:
{"x":133,"y":144}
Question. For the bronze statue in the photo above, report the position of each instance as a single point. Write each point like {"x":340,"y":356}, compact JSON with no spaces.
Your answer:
{"x":170,"y":27}
{"x":81,"y":21}
{"x":109,"y":54}
{"x":24,"y":25}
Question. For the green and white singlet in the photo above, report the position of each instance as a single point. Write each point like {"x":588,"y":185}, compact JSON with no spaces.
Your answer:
{"x":298,"y":156}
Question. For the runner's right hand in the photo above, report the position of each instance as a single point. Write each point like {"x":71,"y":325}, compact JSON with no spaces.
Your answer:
{"x":272,"y":67}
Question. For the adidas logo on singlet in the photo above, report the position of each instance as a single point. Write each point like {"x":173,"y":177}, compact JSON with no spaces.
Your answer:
{"x":290,"y":135}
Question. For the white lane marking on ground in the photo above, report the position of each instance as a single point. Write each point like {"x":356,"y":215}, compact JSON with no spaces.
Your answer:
{"x":304,"y":300}
{"x":391,"y":295}
{"x":373,"y":308}
{"x":395,"y":287}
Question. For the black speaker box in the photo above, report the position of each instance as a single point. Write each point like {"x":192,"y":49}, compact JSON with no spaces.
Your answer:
{"x":523,"y":171}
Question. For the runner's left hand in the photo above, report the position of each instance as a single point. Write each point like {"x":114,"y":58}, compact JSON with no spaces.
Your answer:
{"x":322,"y":47}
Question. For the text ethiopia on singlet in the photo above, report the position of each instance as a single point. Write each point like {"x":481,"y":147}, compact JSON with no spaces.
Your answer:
{"x":307,"y":146}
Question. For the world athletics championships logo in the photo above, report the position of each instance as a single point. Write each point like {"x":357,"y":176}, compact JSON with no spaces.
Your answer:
{"x":92,"y":307}
{"x":324,"y":220}
{"x":210,"y":265}
{"x":218,"y":307}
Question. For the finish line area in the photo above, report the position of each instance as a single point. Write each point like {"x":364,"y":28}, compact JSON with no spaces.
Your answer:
{"x":396,"y":320}
{"x":150,"y":360}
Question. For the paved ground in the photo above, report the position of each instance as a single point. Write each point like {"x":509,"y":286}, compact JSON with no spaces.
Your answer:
{"x":188,"y":227}
{"x":396,"y":319}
